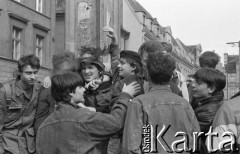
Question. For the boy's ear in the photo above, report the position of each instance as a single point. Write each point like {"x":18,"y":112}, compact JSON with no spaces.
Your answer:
{"x":133,"y":68}
{"x":211,"y":89}
{"x":70,"y":93}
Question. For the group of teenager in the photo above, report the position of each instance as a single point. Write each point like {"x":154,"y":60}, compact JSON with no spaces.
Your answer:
{"x":83,"y":109}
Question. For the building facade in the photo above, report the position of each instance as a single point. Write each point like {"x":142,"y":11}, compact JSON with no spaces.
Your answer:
{"x":231,"y":63}
{"x":26,"y":27}
{"x":141,"y":27}
{"x":187,"y":56}
{"x":82,"y":22}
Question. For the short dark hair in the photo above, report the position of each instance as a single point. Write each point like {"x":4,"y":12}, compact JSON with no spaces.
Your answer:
{"x":60,"y":58}
{"x":63,"y":84}
{"x":209,"y":59}
{"x":31,"y":60}
{"x":154,"y":46}
{"x":212,"y":77}
{"x":160,"y":67}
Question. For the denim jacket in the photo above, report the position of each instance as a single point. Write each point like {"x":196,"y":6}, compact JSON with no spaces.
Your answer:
{"x":74,"y":130}
{"x":159,"y":107}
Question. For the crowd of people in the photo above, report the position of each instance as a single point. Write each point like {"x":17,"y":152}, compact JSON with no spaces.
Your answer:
{"x":83,"y":109}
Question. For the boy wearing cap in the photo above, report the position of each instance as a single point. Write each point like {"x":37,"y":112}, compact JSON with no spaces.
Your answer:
{"x":98,"y":93}
{"x":129,"y":69}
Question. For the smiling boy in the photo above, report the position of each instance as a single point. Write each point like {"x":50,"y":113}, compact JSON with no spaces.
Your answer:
{"x":74,"y":129}
{"x":207,"y":89}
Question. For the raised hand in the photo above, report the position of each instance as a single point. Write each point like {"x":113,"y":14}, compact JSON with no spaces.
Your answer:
{"x":112,"y":35}
{"x":94,"y":84}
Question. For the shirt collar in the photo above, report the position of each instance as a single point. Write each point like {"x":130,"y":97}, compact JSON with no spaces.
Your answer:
{"x":160,"y":87}
{"x":67,"y":104}
{"x":19,"y":90}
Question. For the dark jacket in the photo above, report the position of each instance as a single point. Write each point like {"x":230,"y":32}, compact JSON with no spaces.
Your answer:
{"x":115,"y":142}
{"x":17,"y":118}
{"x":117,"y":88}
{"x":74,"y":130}
{"x":159,"y":107}
{"x":99,"y":98}
{"x":205,"y":110}
{"x":45,"y":106}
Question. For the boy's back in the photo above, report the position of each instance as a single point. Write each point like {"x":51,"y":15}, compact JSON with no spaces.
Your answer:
{"x":163,"y":108}
{"x":66,"y":131}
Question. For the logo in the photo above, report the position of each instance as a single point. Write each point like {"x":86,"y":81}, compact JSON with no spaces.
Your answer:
{"x":158,"y":139}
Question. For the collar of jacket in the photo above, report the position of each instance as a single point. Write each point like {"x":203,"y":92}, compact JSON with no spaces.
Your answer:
{"x":160,"y":87}
{"x":19,"y":91}
{"x":66,"y":104}
{"x":217,"y":97}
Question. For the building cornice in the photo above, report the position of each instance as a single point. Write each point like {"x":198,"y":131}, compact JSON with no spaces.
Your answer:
{"x":18,"y":3}
{"x":40,"y":27}
{"x":18,"y":17}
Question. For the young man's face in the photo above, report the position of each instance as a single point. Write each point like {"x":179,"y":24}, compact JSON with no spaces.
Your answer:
{"x":77,"y":96}
{"x":90,"y":72}
{"x":124,"y":68}
{"x":201,"y":89}
{"x":29,"y":75}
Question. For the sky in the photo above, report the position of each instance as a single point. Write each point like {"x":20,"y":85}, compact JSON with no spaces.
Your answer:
{"x":211,"y":23}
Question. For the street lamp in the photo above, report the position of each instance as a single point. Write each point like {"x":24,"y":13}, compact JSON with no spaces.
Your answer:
{"x":238,"y":60}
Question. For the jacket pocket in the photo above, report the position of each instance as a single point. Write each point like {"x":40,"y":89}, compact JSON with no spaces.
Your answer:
{"x":14,"y":105}
{"x":13,"y":111}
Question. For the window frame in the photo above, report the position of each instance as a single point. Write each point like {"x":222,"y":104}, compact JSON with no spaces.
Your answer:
{"x":39,"y":9}
{"x":232,"y":77}
{"x":144,"y":20}
{"x":45,"y":44}
{"x":39,"y":47}
{"x":15,"y":40}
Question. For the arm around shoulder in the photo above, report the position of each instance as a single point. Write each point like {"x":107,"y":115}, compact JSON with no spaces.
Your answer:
{"x":132,"y":133}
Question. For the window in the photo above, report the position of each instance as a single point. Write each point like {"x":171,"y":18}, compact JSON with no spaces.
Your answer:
{"x":39,"y":47}
{"x":158,"y":31}
{"x":144,"y":19}
{"x":232,"y":77}
{"x":16,"y":42}
{"x":39,"y":4}
{"x":232,"y":92}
